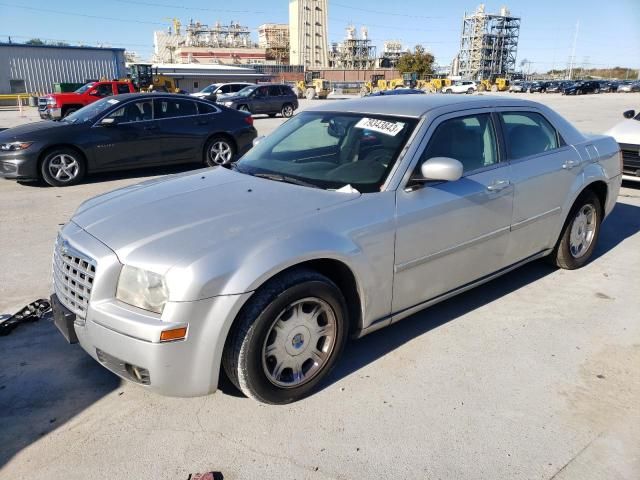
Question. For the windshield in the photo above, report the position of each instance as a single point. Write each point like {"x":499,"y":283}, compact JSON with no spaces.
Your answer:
{"x":84,"y":88}
{"x":210,"y":88}
{"x":246,"y":91}
{"x":331,"y":150}
{"x":89,"y":112}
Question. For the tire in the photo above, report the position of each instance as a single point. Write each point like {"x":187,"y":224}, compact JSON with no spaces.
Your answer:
{"x":290,"y":297}
{"x":448,"y":90}
{"x":63,"y":167}
{"x":597,"y":90}
{"x":244,"y":108}
{"x":219,"y":151}
{"x":567,"y":254}
{"x":469,"y":91}
{"x":494,"y":88}
{"x":287,"y":110}
{"x":310,"y":93}
{"x":69,"y":111}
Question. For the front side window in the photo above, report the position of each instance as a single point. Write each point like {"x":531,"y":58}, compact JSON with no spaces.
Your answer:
{"x":123,"y":88}
{"x":471,"y":140}
{"x":170,"y":108}
{"x":528,"y":133}
{"x":331,"y":150}
{"x":104,"y":90}
{"x":133,"y":112}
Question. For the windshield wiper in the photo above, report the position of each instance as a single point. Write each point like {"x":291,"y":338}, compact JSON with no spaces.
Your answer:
{"x":285,"y":179}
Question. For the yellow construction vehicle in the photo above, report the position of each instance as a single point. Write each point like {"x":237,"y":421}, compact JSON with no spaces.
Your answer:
{"x":144,"y":79}
{"x":432,"y":84}
{"x":495,"y":84}
{"x":312,"y":86}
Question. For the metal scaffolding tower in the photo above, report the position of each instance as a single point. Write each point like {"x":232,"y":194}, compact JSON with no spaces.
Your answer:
{"x":354,"y":52}
{"x":489,"y":44}
{"x":218,"y":36}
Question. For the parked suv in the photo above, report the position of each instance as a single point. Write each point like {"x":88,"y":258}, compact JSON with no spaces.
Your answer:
{"x":463,"y":86}
{"x":214,"y":90}
{"x":269,"y":99}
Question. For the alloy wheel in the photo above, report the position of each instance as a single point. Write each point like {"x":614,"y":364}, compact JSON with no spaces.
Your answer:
{"x":583,"y":231}
{"x":64,"y":168}
{"x":220,"y":153}
{"x":299,"y":343}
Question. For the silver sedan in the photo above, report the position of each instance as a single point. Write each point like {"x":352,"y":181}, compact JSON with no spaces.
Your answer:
{"x":348,"y":218}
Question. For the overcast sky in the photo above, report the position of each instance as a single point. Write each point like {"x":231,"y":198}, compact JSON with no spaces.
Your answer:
{"x":608,"y":33}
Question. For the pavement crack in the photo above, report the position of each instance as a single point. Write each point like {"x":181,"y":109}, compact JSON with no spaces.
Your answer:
{"x":575,"y":456}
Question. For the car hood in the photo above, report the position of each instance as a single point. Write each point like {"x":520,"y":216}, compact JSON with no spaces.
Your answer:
{"x":627,"y":131}
{"x":31,"y":131}
{"x":159,"y":223}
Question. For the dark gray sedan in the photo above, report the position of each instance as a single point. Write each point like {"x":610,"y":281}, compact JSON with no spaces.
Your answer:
{"x":124,"y":132}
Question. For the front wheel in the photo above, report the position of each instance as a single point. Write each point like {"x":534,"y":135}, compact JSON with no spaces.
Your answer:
{"x":287,"y":337}
{"x":244,"y":108}
{"x":219,"y":151}
{"x":287,"y":110}
{"x":63,"y":167}
{"x":448,"y":90}
{"x":579,"y":234}
{"x":469,"y":91}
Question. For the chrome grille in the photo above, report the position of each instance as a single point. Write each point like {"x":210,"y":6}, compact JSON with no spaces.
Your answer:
{"x":73,"y":274}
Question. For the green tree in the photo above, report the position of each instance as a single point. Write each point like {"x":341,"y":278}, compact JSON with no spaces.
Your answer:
{"x":420,"y":62}
{"x":34,"y":41}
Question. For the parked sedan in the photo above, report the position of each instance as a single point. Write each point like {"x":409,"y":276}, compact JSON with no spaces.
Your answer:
{"x":518,"y":86}
{"x":270,"y":99}
{"x":349,"y":217}
{"x":582,"y":87}
{"x":627,"y":134}
{"x":539,"y":87}
{"x":123,"y":132}
{"x":628,"y":87}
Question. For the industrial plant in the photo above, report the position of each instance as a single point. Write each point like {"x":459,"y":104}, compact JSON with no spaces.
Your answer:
{"x":488,"y":45}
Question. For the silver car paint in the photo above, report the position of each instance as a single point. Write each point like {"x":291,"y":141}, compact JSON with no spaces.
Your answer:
{"x":218,"y":235}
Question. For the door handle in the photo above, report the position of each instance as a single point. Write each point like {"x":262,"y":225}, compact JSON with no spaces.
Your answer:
{"x":150,"y":127}
{"x":569,"y":164}
{"x":498,"y":185}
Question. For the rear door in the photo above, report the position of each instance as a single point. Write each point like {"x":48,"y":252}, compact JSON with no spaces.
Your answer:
{"x":181,"y":128}
{"x":452,"y":233}
{"x":275,"y":98}
{"x":260,"y":100}
{"x":131,"y":140}
{"x":543,"y":170}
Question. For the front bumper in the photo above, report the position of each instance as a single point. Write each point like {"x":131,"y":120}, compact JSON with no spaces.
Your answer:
{"x":122,"y":337}
{"x":21,"y":165}
{"x":50,"y":113}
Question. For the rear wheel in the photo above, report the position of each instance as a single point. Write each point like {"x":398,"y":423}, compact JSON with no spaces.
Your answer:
{"x":219,"y":151}
{"x":580,"y":233}
{"x":469,"y":91}
{"x":448,"y":90}
{"x":69,"y":111}
{"x":63,"y":167}
{"x":310,"y":94}
{"x":287,"y":338}
{"x":244,"y":108}
{"x":287,"y":110}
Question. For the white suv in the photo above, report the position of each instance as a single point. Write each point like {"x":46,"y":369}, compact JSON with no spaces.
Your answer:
{"x":461,"y":86}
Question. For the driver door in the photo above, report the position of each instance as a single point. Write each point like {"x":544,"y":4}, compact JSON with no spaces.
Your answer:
{"x":450,"y":234}
{"x":131,"y":140}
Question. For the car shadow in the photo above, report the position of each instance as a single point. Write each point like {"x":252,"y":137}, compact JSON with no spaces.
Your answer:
{"x":44,"y":382}
{"x":623,"y":223}
{"x":144,"y":173}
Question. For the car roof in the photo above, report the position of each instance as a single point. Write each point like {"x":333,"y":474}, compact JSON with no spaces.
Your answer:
{"x":418,"y":105}
{"x":129,"y":96}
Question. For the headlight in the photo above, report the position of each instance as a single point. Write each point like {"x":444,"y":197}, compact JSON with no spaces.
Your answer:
{"x":14,"y":146}
{"x":142,"y":289}
{"x":227,"y":104}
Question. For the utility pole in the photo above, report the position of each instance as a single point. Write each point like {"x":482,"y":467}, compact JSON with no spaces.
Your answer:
{"x":573,"y":49}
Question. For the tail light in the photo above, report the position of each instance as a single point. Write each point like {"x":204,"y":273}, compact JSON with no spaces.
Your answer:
{"x":248,"y":119}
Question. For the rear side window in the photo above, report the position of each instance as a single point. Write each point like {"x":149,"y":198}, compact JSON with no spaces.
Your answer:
{"x":274,"y":91}
{"x":123,"y":88}
{"x":205,"y":108}
{"x":168,"y":108}
{"x":237,"y":87}
{"x":528,"y":133}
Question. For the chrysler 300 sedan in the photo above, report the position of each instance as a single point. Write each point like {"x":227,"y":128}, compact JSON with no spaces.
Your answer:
{"x":346,"y":219}
{"x":124,"y":132}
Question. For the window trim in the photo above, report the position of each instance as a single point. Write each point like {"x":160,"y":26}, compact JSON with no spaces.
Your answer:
{"x":126,"y":104}
{"x":562,"y":144}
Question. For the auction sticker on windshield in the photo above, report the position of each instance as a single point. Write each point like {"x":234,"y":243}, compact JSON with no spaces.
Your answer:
{"x":380,"y":126}
{"x":113,"y":101}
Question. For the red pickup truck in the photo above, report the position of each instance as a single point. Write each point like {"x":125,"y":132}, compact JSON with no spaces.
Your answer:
{"x":58,"y":105}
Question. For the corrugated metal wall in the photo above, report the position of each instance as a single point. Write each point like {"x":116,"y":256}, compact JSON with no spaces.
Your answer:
{"x":41,"y":67}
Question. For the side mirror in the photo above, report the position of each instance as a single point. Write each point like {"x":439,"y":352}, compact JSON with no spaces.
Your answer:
{"x":108,"y":122}
{"x":257,"y":140}
{"x":441,"y":168}
{"x":629,"y":114}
